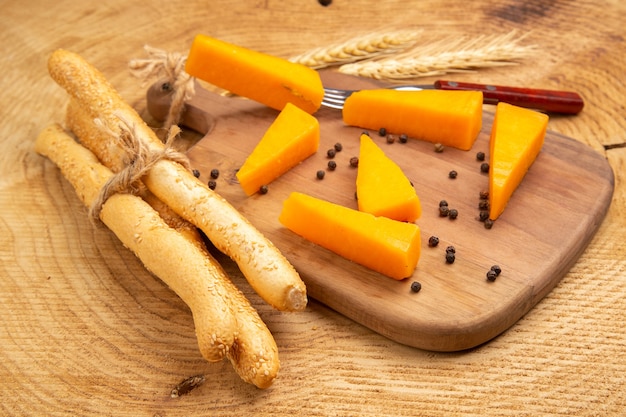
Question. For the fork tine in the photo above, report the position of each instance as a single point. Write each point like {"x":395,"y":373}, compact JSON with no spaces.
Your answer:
{"x":335,"y":98}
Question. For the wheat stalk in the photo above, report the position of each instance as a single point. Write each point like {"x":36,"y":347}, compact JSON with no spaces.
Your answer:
{"x":358,"y":48}
{"x":455,"y":54}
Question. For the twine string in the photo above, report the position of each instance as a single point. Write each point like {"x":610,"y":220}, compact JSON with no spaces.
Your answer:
{"x":139,"y":159}
{"x":171,"y":66}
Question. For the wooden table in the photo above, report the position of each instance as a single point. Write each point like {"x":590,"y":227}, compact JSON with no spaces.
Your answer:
{"x":87,"y":331}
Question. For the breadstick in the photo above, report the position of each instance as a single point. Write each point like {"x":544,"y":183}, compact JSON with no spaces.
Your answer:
{"x":165,"y":252}
{"x":269,"y":273}
{"x":254,"y":344}
{"x":253,"y":351}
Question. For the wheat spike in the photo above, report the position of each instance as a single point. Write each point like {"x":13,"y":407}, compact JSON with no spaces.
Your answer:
{"x":358,"y":48}
{"x":455,"y":54}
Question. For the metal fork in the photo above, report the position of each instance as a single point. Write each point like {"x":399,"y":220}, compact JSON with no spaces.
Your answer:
{"x":550,"y":101}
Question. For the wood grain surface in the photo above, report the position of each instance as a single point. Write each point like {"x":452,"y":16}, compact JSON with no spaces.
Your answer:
{"x":87,"y":331}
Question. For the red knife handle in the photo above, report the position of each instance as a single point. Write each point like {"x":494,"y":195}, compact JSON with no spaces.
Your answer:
{"x":550,"y":101}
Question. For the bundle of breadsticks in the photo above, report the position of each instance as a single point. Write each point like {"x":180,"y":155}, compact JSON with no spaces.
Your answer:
{"x":157,"y":214}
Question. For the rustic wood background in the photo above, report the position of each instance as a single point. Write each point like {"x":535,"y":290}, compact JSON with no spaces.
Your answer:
{"x":87,"y":331}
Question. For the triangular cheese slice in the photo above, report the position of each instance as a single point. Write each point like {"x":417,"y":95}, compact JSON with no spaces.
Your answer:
{"x":517,"y":136}
{"x":292,"y":137}
{"x":387,"y":246}
{"x":382,"y":189}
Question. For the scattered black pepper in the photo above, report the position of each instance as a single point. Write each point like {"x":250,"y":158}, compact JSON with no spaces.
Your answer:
{"x":453,"y":174}
{"x":483,"y":205}
{"x":484,"y":167}
{"x":382,"y":131}
{"x":450,"y":249}
{"x":332,"y":165}
{"x":354,"y":161}
{"x":438,"y":147}
{"x":433,"y":241}
{"x":496,"y":269}
{"x":365,"y":132}
{"x":391,"y":139}
{"x":215,"y":173}
{"x":443,"y":203}
{"x":483,"y":215}
{"x":338,"y":147}
{"x":404,"y":138}
{"x":320,"y":174}
{"x":480,"y":156}
{"x":331,"y":153}
{"x":416,"y":286}
{"x":450,"y":257}
{"x":264,"y":189}
{"x":488,"y":224}
{"x":484,"y":195}
{"x":212,"y":184}
{"x":325,"y":2}
{"x":491,"y":275}
{"x":453,"y":214}
{"x":444,"y":211}
{"x":196,"y":173}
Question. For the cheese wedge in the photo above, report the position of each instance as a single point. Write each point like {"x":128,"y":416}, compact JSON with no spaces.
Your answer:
{"x":268,"y":79}
{"x":382,"y":189}
{"x":291,"y":138}
{"x":387,"y":246}
{"x":452,"y":118}
{"x":517,"y":136}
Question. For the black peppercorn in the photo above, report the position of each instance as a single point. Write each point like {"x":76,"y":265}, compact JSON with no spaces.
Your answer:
{"x":491,"y":275}
{"x":332,"y":165}
{"x":338,"y":147}
{"x":443,"y":203}
{"x":453,"y":214}
{"x":212,"y":184}
{"x":438,"y":147}
{"x":480,"y":156}
{"x":496,"y":269}
{"x":453,"y":174}
{"x":488,"y":224}
{"x":483,"y":205}
{"x":483,"y":195}
{"x":391,"y":139}
{"x":444,"y":211}
{"x":325,"y":2}
{"x":433,"y":241}
{"x":354,"y":161}
{"x":404,"y":138}
{"x":331,"y":153}
{"x":215,"y":173}
{"x":320,"y":174}
{"x":382,"y":131}
{"x":450,"y":249}
{"x":263,"y":189}
{"x":483,"y":215}
{"x":196,"y":173}
{"x":484,"y":167}
{"x":416,"y":286}
{"x":450,"y":257}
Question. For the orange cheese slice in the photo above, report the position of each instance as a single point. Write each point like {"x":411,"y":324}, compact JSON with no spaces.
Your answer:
{"x":517,"y":136}
{"x":452,"y":118}
{"x":291,"y":138}
{"x":268,"y":79}
{"x":382,"y":189}
{"x":387,"y":246}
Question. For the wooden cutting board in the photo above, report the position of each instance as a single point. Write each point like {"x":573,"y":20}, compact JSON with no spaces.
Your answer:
{"x":544,"y":229}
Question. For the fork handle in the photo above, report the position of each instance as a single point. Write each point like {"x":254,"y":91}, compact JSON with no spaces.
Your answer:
{"x":551,"y":101}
